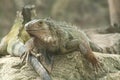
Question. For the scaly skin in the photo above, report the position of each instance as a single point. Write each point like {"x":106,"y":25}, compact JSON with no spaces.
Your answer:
{"x":12,"y":36}
{"x":17,"y":31}
{"x":51,"y":38}
{"x":13,"y":44}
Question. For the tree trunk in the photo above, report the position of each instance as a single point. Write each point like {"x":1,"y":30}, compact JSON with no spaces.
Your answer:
{"x":114,"y":6}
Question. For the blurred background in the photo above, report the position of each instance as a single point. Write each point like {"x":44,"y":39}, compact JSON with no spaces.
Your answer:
{"x":83,"y":13}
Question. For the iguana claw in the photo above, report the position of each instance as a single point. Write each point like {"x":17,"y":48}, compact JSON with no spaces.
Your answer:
{"x":94,"y":61}
{"x":25,"y":56}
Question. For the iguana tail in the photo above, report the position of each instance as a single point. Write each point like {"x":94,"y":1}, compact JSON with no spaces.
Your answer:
{"x":17,"y":48}
{"x":39,"y":68}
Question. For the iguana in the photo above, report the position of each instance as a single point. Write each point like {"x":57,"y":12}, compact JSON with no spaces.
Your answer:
{"x":17,"y":32}
{"x":14,"y":44}
{"x":12,"y":36}
{"x":50,"y":38}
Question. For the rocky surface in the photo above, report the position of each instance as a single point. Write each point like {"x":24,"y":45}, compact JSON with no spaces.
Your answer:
{"x":12,"y":69}
{"x":72,"y":66}
{"x":110,"y":43}
{"x":66,"y":67}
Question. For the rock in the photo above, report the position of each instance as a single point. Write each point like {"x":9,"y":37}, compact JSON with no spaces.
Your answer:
{"x":12,"y":69}
{"x":110,"y":43}
{"x":72,"y":66}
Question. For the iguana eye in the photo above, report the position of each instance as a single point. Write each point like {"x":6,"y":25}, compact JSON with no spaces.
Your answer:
{"x":40,"y":22}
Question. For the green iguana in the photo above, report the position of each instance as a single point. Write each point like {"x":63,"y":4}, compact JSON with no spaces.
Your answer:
{"x":14,"y":44}
{"x":12,"y":37}
{"x":17,"y":33}
{"x":51,"y":38}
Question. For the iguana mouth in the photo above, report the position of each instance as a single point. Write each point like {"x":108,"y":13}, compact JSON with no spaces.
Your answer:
{"x":30,"y":30}
{"x":33,"y":29}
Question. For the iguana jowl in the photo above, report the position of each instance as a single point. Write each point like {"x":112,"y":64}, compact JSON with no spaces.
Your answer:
{"x":52,"y":38}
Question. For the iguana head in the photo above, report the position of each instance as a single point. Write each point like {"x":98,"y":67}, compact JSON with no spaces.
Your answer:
{"x":39,"y":28}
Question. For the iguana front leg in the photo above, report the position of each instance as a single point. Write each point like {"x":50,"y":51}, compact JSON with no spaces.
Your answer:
{"x":85,"y":49}
{"x":30,"y":56}
{"x":45,"y":58}
{"x":29,"y":50}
